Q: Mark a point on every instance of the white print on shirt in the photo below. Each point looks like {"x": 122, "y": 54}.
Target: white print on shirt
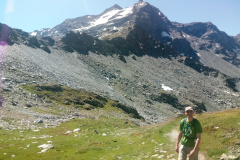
{"x": 188, "y": 131}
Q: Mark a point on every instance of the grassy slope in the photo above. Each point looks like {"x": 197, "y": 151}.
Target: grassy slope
{"x": 221, "y": 132}
{"x": 111, "y": 138}
{"x": 121, "y": 140}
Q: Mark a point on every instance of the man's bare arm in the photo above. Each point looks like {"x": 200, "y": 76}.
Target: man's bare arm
{"x": 178, "y": 140}
{"x": 196, "y": 144}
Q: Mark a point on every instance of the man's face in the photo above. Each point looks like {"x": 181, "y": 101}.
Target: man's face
{"x": 189, "y": 113}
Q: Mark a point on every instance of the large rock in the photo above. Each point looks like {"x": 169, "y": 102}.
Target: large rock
{"x": 45, "y": 147}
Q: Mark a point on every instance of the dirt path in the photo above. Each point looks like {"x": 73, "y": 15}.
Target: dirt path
{"x": 173, "y": 136}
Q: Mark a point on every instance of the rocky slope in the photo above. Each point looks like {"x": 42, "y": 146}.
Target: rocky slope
{"x": 156, "y": 69}
{"x": 140, "y": 82}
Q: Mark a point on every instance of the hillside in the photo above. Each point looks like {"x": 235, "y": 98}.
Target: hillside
{"x": 137, "y": 83}
{"x": 115, "y": 85}
{"x": 107, "y": 132}
{"x": 133, "y": 80}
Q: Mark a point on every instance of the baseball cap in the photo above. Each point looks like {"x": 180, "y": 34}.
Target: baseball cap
{"x": 188, "y": 108}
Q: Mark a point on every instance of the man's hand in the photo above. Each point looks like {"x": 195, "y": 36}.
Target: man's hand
{"x": 192, "y": 153}
{"x": 178, "y": 140}
{"x": 177, "y": 149}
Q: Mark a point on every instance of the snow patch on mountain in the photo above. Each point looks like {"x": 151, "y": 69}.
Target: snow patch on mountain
{"x": 235, "y": 51}
{"x": 166, "y": 88}
{"x": 199, "y": 55}
{"x": 33, "y": 34}
{"x": 104, "y": 18}
{"x": 124, "y": 13}
{"x": 165, "y": 34}
{"x": 108, "y": 17}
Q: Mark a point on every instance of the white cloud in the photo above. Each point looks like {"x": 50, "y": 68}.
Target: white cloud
{"x": 9, "y": 7}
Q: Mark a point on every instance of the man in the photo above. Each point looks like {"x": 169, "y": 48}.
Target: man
{"x": 190, "y": 135}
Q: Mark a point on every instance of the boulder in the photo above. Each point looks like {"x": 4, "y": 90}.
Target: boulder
{"x": 45, "y": 147}
{"x": 229, "y": 157}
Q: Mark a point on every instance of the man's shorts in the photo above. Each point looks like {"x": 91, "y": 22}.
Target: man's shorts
{"x": 184, "y": 151}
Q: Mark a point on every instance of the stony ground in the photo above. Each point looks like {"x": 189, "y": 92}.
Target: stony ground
{"x": 132, "y": 83}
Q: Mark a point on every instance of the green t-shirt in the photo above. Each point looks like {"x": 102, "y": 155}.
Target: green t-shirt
{"x": 190, "y": 130}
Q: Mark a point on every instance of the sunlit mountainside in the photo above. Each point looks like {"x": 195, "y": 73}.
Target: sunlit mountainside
{"x": 132, "y": 55}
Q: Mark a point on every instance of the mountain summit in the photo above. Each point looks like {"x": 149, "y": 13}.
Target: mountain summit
{"x": 192, "y": 40}
{"x": 111, "y": 20}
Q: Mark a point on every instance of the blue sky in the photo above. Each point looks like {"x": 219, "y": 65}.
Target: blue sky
{"x": 30, "y": 15}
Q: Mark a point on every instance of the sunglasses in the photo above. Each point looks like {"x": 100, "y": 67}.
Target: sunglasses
{"x": 189, "y": 111}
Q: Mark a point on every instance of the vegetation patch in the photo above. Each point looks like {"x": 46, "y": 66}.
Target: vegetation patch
{"x": 231, "y": 83}
{"x": 165, "y": 97}
{"x": 80, "y": 99}
{"x": 127, "y": 109}
{"x": 68, "y": 96}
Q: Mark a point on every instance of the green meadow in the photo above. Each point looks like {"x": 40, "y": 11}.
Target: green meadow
{"x": 107, "y": 137}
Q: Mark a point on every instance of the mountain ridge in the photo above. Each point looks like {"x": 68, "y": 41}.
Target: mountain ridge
{"x": 115, "y": 22}
{"x": 127, "y": 55}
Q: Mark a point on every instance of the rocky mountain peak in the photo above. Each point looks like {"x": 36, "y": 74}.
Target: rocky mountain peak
{"x": 151, "y": 19}
{"x": 197, "y": 29}
{"x": 111, "y": 20}
{"x": 142, "y": 6}
{"x": 141, "y": 3}
{"x": 116, "y": 23}
{"x": 238, "y": 37}
{"x": 114, "y": 7}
